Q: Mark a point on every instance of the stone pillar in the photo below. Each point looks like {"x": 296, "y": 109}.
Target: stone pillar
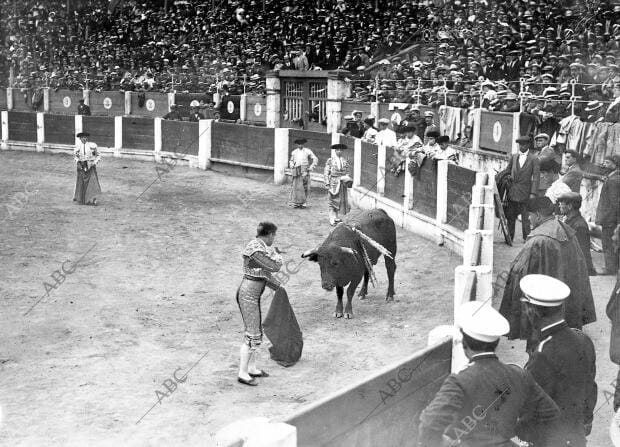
{"x": 40, "y": 131}
{"x": 204, "y": 143}
{"x": 280, "y": 156}
{"x": 273, "y": 99}
{"x": 337, "y": 90}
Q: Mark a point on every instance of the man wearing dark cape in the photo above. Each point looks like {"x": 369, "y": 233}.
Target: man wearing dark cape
{"x": 550, "y": 249}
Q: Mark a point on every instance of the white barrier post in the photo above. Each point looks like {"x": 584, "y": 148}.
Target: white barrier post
{"x": 257, "y": 432}
{"x": 86, "y": 96}
{"x": 171, "y": 100}
{"x": 5, "y": 130}
{"x": 475, "y": 142}
{"x": 127, "y": 103}
{"x": 40, "y": 131}
{"x": 9, "y": 98}
{"x": 280, "y": 156}
{"x": 374, "y": 111}
{"x": 381, "y": 170}
{"x": 46, "y": 99}
{"x": 204, "y": 143}
{"x": 442, "y": 191}
{"x": 243, "y": 104}
{"x": 157, "y": 140}
{"x": 357, "y": 162}
{"x": 118, "y": 135}
{"x": 79, "y": 126}
{"x": 272, "y": 114}
{"x": 516, "y": 130}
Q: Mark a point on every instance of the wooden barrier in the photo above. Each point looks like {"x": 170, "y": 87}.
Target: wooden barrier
{"x": 59, "y": 129}
{"x": 256, "y": 109}
{"x": 368, "y": 177}
{"x": 101, "y": 129}
{"x": 64, "y": 102}
{"x": 382, "y": 411}
{"x": 496, "y": 131}
{"x": 319, "y": 142}
{"x": 23, "y": 126}
{"x": 394, "y": 186}
{"x": 108, "y": 103}
{"x": 243, "y": 145}
{"x": 22, "y": 100}
{"x": 425, "y": 189}
{"x": 180, "y": 137}
{"x": 460, "y": 182}
{"x": 155, "y": 104}
{"x": 138, "y": 133}
{"x": 3, "y": 99}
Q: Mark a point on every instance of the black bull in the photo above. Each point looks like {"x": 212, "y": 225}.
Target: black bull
{"x": 341, "y": 256}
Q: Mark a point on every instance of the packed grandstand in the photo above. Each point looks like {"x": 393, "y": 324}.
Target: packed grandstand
{"x": 554, "y": 56}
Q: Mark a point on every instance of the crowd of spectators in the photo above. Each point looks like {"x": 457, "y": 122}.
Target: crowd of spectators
{"x": 466, "y": 54}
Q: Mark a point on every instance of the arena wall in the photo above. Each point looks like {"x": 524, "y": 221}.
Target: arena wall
{"x": 382, "y": 410}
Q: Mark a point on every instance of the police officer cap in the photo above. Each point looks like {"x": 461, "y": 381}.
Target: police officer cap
{"x": 570, "y": 197}
{"x": 339, "y": 146}
{"x": 543, "y": 290}
{"x": 480, "y": 321}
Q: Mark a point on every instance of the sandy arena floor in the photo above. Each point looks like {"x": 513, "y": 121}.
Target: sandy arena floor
{"x": 154, "y": 294}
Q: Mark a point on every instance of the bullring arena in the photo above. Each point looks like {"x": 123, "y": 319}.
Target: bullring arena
{"x": 119, "y": 322}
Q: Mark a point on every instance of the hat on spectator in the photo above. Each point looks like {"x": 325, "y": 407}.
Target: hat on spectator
{"x": 538, "y": 204}
{"x": 194, "y": 103}
{"x": 523, "y": 139}
{"x": 543, "y": 290}
{"x": 339, "y": 146}
{"x": 357, "y": 112}
{"x": 572, "y": 198}
{"x": 615, "y": 159}
{"x": 542, "y": 136}
{"x": 443, "y": 139}
{"x": 429, "y": 113}
{"x": 83, "y": 134}
{"x": 384, "y": 121}
{"x": 370, "y": 121}
{"x": 433, "y": 134}
{"x": 488, "y": 83}
{"x": 302, "y": 140}
{"x": 481, "y": 322}
{"x": 593, "y": 105}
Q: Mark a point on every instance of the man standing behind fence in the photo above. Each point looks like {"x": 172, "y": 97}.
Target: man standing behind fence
{"x": 524, "y": 172}
{"x": 302, "y": 162}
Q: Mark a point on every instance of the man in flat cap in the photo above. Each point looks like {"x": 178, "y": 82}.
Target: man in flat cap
{"x": 551, "y": 249}
{"x": 86, "y": 157}
{"x": 337, "y": 176}
{"x": 302, "y": 162}
{"x": 608, "y": 212}
{"x": 524, "y": 171}
{"x": 570, "y": 203}
{"x": 489, "y": 402}
{"x": 563, "y": 363}
{"x": 549, "y": 163}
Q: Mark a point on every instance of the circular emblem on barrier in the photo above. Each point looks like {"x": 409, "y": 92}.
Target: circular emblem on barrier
{"x": 497, "y": 131}
{"x": 258, "y": 108}
{"x": 107, "y": 103}
{"x": 66, "y": 101}
{"x": 230, "y": 107}
{"x": 150, "y": 105}
{"x": 396, "y": 118}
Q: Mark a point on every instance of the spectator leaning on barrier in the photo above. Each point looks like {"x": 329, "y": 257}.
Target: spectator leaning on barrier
{"x": 194, "y": 113}
{"x": 173, "y": 114}
{"x": 445, "y": 152}
{"x": 83, "y": 109}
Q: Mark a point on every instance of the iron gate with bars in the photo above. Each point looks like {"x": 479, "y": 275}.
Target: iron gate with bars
{"x": 304, "y": 103}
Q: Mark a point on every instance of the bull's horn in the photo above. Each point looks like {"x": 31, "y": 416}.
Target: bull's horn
{"x": 308, "y": 253}
{"x": 348, "y": 250}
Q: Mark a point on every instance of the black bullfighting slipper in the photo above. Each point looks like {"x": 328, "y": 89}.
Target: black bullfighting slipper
{"x": 250, "y": 382}
{"x": 260, "y": 374}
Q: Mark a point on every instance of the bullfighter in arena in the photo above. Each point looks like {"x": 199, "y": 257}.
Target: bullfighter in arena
{"x": 302, "y": 162}
{"x": 260, "y": 260}
{"x": 86, "y": 157}
{"x": 337, "y": 182}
